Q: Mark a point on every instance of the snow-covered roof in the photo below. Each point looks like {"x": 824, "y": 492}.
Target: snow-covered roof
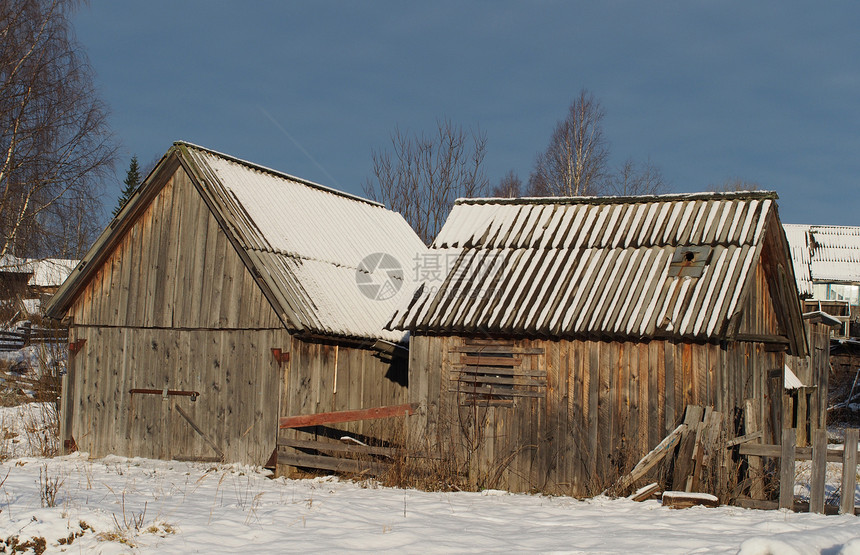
{"x": 314, "y": 250}
{"x": 824, "y": 254}
{"x": 45, "y": 272}
{"x": 670, "y": 265}
{"x": 310, "y": 241}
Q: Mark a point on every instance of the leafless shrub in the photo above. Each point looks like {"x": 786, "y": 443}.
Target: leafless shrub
{"x": 49, "y": 487}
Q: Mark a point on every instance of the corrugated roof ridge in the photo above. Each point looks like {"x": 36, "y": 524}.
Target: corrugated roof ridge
{"x": 278, "y": 173}
{"x": 298, "y": 256}
{"x": 672, "y": 197}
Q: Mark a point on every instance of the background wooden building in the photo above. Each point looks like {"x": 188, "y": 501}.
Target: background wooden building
{"x": 569, "y": 335}
{"x": 223, "y": 296}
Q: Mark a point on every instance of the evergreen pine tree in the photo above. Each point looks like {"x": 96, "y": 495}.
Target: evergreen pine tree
{"x": 132, "y": 180}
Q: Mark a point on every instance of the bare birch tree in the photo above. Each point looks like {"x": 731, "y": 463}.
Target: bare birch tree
{"x": 54, "y": 140}
{"x": 421, "y": 175}
{"x": 575, "y": 162}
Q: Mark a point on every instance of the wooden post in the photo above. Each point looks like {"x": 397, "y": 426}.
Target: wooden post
{"x": 849, "y": 471}
{"x": 786, "y": 469}
{"x": 819, "y": 465}
{"x": 751, "y": 426}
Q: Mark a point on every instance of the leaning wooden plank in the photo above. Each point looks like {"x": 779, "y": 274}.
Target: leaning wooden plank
{"x": 330, "y": 463}
{"x": 786, "y": 469}
{"x": 650, "y": 460}
{"x": 819, "y": 465}
{"x": 849, "y": 471}
{"x": 337, "y": 447}
{"x": 685, "y": 499}
{"x": 346, "y": 416}
{"x": 745, "y": 438}
{"x": 644, "y": 492}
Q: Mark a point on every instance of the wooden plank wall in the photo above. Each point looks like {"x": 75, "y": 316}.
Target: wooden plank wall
{"x": 607, "y": 404}
{"x": 814, "y": 370}
{"x": 174, "y": 306}
{"x": 175, "y": 268}
{"x": 233, "y": 370}
{"x": 327, "y": 377}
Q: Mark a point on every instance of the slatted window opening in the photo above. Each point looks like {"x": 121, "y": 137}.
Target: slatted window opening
{"x": 492, "y": 373}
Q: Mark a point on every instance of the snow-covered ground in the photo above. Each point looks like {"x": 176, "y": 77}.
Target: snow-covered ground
{"x": 118, "y": 505}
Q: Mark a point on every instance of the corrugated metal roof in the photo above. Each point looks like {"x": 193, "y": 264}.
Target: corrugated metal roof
{"x": 593, "y": 266}
{"x": 308, "y": 242}
{"x": 824, "y": 254}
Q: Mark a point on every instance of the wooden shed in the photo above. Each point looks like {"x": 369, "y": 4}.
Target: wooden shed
{"x": 226, "y": 295}
{"x": 568, "y": 336}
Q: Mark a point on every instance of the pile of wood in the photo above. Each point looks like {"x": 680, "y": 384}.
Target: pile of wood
{"x": 692, "y": 449}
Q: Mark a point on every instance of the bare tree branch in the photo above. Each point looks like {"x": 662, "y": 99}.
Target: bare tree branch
{"x": 636, "y": 179}
{"x": 422, "y": 175}
{"x": 54, "y": 137}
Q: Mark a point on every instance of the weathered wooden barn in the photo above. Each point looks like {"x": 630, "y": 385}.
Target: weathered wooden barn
{"x": 568, "y": 336}
{"x": 226, "y": 295}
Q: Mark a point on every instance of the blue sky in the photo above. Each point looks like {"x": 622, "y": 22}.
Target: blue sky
{"x": 768, "y": 92}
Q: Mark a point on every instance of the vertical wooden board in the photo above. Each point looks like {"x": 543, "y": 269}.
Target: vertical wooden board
{"x": 618, "y": 380}
{"x": 151, "y": 232}
{"x": 819, "y": 467}
{"x": 787, "y": 469}
{"x": 593, "y": 374}
{"x": 141, "y": 270}
{"x": 113, "y": 389}
{"x": 326, "y": 379}
{"x": 668, "y": 349}
{"x": 643, "y": 400}
{"x": 161, "y": 208}
{"x": 633, "y": 402}
{"x": 849, "y": 471}
{"x": 577, "y": 405}
{"x": 231, "y": 361}
{"x": 125, "y": 258}
{"x": 211, "y": 258}
{"x": 170, "y": 242}
{"x": 604, "y": 412}
{"x": 559, "y": 411}
{"x": 656, "y": 397}
{"x": 200, "y": 230}
{"x": 534, "y": 430}
{"x": 447, "y": 434}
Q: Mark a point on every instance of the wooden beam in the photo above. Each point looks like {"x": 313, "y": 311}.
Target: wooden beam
{"x": 761, "y": 338}
{"x": 775, "y": 452}
{"x": 354, "y": 466}
{"x": 336, "y": 447}
{"x": 346, "y": 416}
